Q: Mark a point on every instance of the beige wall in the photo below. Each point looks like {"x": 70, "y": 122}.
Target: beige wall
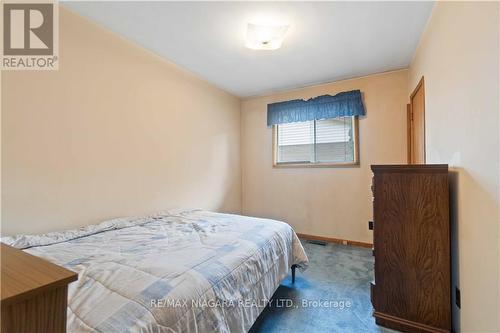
{"x": 116, "y": 131}
{"x": 459, "y": 57}
{"x": 330, "y": 202}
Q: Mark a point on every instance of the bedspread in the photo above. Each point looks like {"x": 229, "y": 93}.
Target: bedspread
{"x": 179, "y": 271}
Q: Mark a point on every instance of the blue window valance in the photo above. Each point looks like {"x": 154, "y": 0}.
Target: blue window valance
{"x": 344, "y": 104}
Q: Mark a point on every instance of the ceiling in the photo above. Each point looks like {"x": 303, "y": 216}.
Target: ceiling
{"x": 326, "y": 41}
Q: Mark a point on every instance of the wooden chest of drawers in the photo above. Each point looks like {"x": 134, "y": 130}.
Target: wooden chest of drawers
{"x": 411, "y": 230}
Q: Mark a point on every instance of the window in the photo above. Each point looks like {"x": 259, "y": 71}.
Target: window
{"x": 326, "y": 142}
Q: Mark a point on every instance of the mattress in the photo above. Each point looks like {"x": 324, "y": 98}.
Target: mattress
{"x": 179, "y": 271}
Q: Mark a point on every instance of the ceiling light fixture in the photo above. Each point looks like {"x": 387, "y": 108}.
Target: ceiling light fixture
{"x": 265, "y": 37}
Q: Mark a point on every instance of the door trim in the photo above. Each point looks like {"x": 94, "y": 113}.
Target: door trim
{"x": 408, "y": 133}
{"x": 420, "y": 84}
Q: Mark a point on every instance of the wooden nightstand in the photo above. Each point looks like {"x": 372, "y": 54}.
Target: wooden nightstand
{"x": 34, "y": 293}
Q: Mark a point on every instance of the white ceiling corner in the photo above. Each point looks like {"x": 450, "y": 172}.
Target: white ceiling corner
{"x": 326, "y": 41}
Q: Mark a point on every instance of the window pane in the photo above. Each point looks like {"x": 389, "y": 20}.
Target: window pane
{"x": 296, "y": 142}
{"x": 334, "y": 140}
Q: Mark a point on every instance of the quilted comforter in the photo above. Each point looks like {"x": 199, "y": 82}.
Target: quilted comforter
{"x": 182, "y": 271}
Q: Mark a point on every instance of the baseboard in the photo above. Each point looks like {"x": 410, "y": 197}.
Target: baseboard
{"x": 334, "y": 240}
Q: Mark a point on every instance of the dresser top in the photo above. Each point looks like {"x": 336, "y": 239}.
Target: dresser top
{"x": 23, "y": 275}
{"x": 415, "y": 168}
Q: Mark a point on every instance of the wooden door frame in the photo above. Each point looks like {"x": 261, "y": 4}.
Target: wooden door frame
{"x": 408, "y": 133}
{"x": 409, "y": 118}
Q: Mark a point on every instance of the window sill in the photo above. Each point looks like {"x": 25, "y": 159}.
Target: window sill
{"x": 317, "y": 165}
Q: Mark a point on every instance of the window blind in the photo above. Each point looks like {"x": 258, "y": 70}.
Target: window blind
{"x": 334, "y": 142}
{"x": 296, "y": 142}
{"x": 320, "y": 141}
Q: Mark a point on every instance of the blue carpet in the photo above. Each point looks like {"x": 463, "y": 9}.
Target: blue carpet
{"x": 339, "y": 277}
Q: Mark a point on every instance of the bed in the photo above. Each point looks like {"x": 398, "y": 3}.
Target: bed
{"x": 179, "y": 271}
